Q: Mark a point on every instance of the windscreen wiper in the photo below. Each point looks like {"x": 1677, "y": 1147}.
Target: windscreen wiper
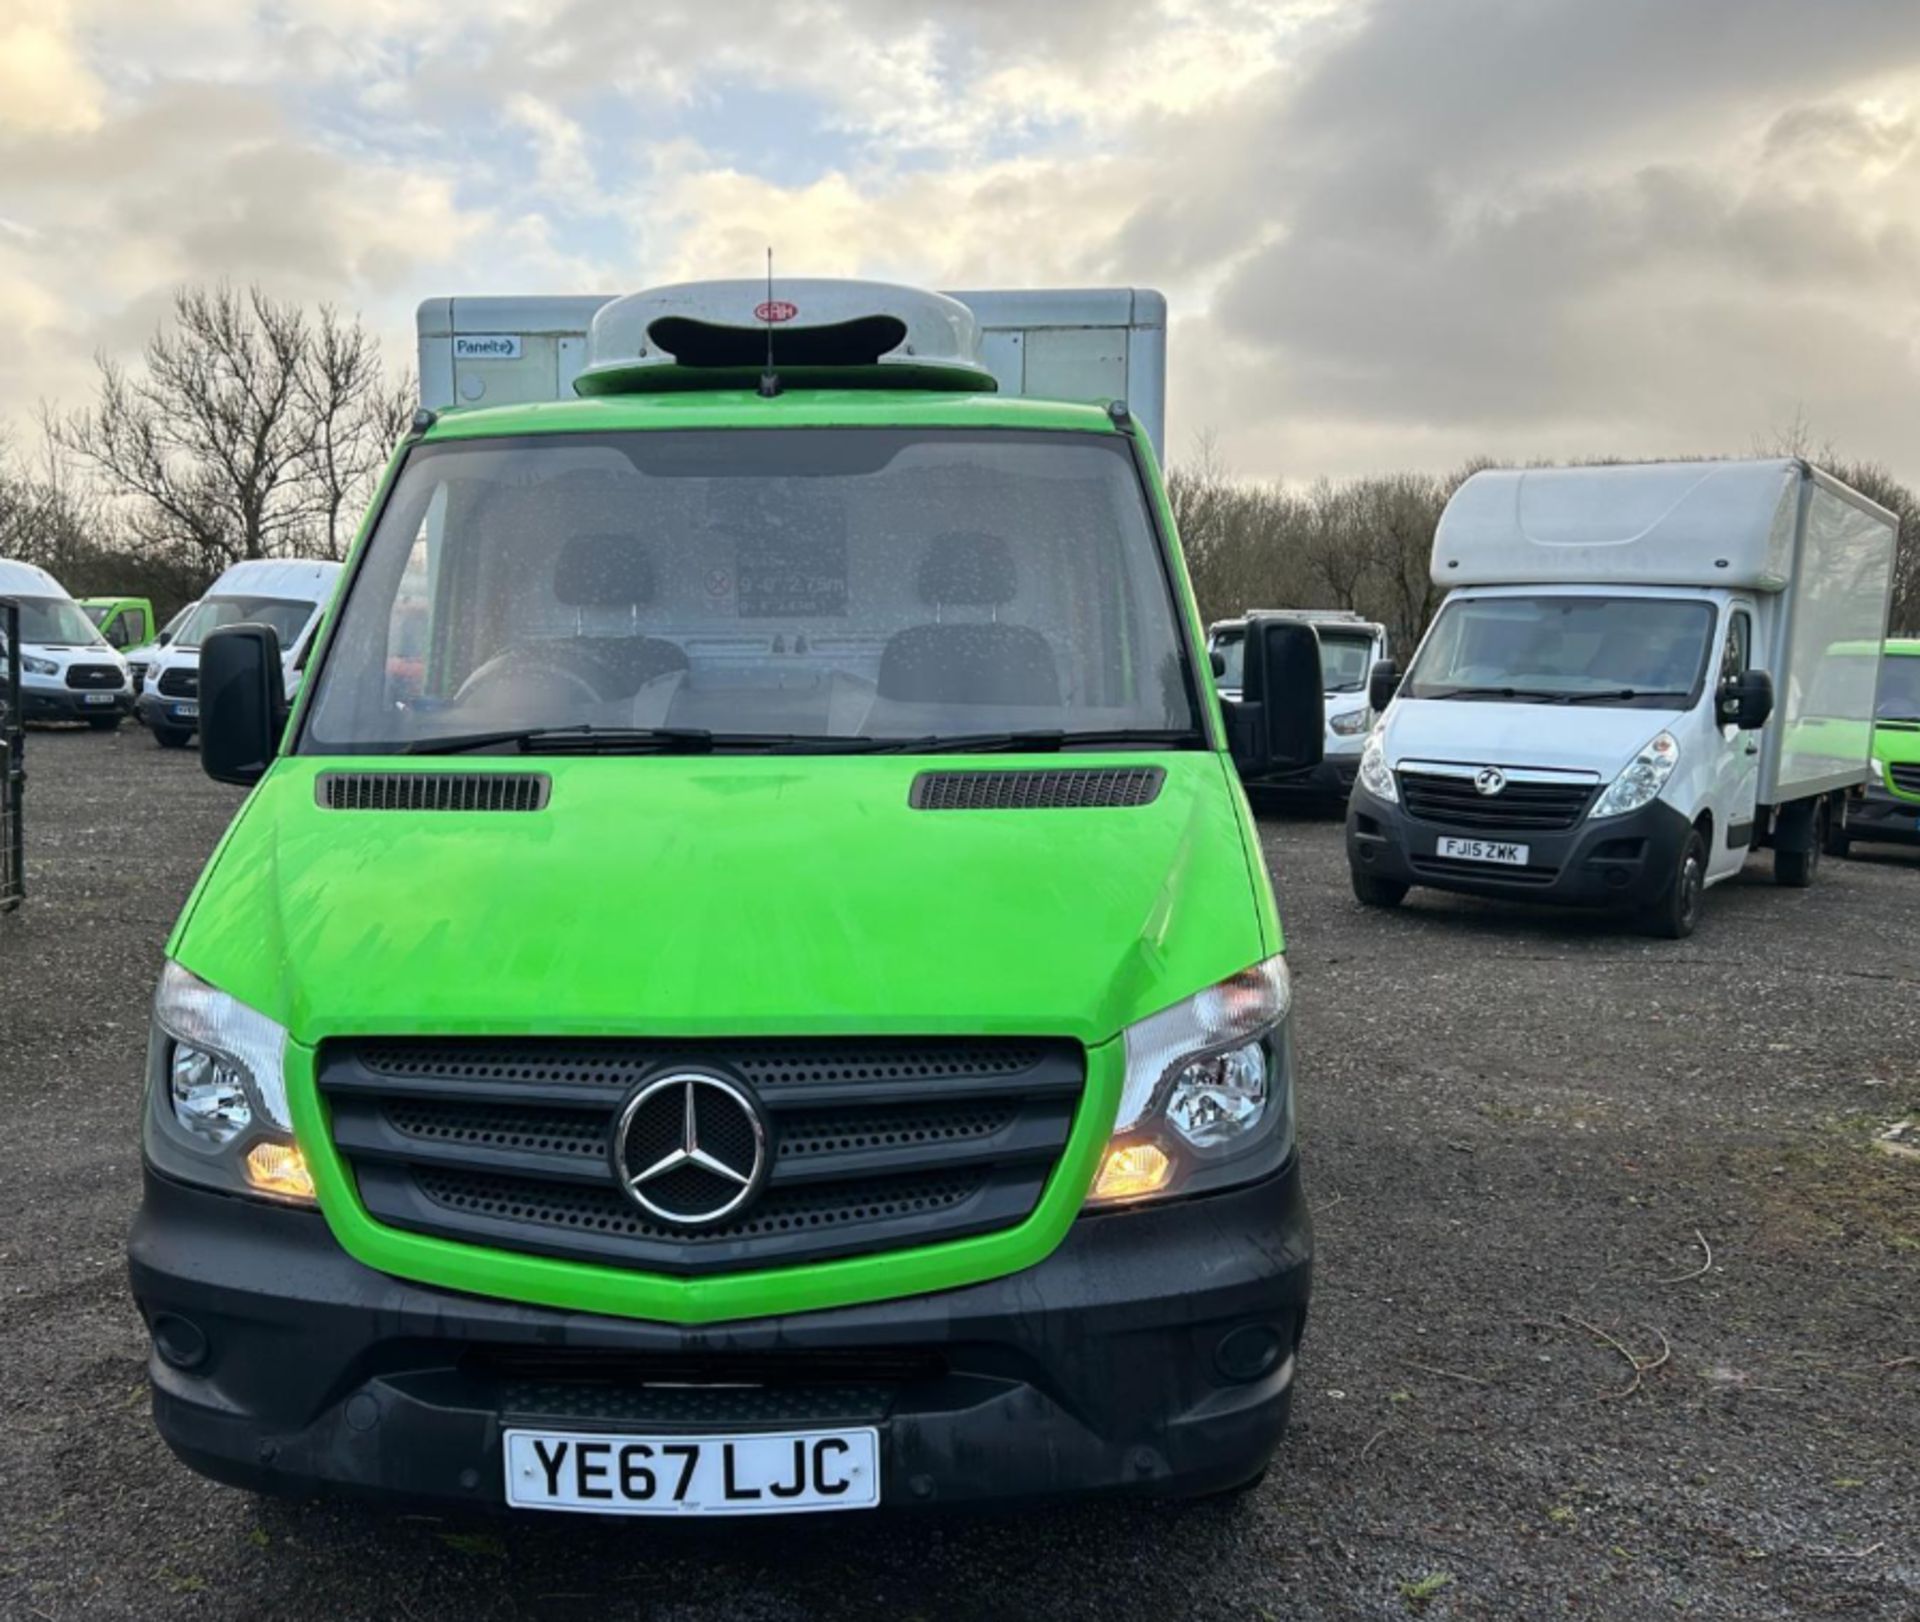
{"x": 1533, "y": 695}
{"x": 572, "y": 740}
{"x": 1619, "y": 694}
{"x": 1040, "y": 741}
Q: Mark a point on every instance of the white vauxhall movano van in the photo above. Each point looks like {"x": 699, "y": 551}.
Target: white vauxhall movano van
{"x": 1617, "y": 701}
{"x": 68, "y": 672}
{"x": 288, "y": 594}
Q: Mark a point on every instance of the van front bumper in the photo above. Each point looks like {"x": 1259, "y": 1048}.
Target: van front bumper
{"x": 71, "y": 704}
{"x": 156, "y": 711}
{"x": 1878, "y": 815}
{"x": 1152, "y": 1352}
{"x": 1625, "y": 861}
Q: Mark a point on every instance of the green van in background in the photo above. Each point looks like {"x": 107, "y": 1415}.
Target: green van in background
{"x": 1888, "y": 807}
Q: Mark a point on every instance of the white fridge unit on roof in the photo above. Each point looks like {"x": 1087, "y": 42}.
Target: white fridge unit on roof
{"x": 1096, "y": 344}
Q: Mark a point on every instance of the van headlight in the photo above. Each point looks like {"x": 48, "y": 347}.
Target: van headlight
{"x": 216, "y": 1110}
{"x": 1644, "y": 777}
{"x": 1376, "y": 777}
{"x": 38, "y": 667}
{"x": 1208, "y": 1099}
{"x": 1349, "y": 725}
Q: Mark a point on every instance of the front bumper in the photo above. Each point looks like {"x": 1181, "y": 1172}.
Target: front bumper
{"x": 154, "y": 710}
{"x": 1878, "y": 814}
{"x": 1153, "y": 1352}
{"x": 1626, "y": 861}
{"x": 71, "y": 703}
{"x": 1332, "y": 779}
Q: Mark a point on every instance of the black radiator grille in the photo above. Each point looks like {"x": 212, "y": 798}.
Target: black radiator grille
{"x": 179, "y": 683}
{"x": 873, "y": 1145}
{"x": 95, "y": 678}
{"x": 1905, "y": 778}
{"x": 1520, "y": 807}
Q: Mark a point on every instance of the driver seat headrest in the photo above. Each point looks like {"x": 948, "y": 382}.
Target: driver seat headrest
{"x": 605, "y": 569}
{"x": 968, "y": 568}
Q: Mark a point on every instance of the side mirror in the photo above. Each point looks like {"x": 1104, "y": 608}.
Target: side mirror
{"x": 1218, "y": 662}
{"x": 243, "y": 703}
{"x": 1746, "y": 700}
{"x": 1279, "y": 723}
{"x": 1383, "y": 681}
{"x": 163, "y": 639}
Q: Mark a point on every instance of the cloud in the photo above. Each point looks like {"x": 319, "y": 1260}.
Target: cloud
{"x": 1393, "y": 233}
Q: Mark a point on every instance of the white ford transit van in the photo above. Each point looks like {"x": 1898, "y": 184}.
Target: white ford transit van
{"x": 68, "y": 672}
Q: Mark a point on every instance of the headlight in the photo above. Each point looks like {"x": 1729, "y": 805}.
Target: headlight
{"x": 217, "y": 1094}
{"x": 1349, "y": 725}
{"x": 1375, "y": 777}
{"x": 1878, "y": 768}
{"x": 38, "y": 667}
{"x": 1642, "y": 780}
{"x": 1208, "y": 1099}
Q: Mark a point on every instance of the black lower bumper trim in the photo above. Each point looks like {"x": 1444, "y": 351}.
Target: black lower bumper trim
{"x": 1880, "y": 816}
{"x": 1626, "y": 862}
{"x": 65, "y": 704}
{"x": 1153, "y": 1351}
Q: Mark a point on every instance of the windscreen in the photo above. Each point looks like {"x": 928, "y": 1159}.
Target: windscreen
{"x": 97, "y": 612}
{"x": 287, "y": 615}
{"x": 759, "y": 586}
{"x": 56, "y": 622}
{"x": 1899, "y": 697}
{"x": 1635, "y": 652}
{"x": 1344, "y": 661}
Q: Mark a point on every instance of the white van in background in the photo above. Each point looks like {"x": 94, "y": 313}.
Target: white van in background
{"x": 288, "y": 594}
{"x": 1350, "y": 646}
{"x": 68, "y": 671}
{"x": 1618, "y": 699}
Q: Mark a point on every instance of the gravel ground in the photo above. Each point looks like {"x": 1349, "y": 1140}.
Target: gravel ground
{"x": 1522, "y": 1132}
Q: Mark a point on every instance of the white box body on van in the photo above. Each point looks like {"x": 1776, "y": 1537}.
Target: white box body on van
{"x": 1101, "y": 344}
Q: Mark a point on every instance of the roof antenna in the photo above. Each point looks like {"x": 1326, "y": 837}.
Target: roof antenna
{"x": 769, "y": 379}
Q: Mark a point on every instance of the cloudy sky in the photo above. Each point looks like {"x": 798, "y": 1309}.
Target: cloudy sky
{"x": 1393, "y": 232}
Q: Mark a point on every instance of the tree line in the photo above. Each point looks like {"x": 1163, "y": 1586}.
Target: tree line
{"x": 253, "y": 427}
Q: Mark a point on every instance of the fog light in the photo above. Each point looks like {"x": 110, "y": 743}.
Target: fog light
{"x": 279, "y": 1168}
{"x": 1249, "y": 1352}
{"x": 1132, "y": 1170}
{"x": 179, "y": 1341}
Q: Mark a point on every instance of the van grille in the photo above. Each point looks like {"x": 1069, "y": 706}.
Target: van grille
{"x": 874, "y": 1145}
{"x": 180, "y": 682}
{"x": 433, "y": 791}
{"x": 95, "y": 677}
{"x": 1905, "y": 778}
{"x": 1519, "y": 807}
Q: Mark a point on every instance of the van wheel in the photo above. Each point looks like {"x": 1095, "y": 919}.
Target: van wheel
{"x": 104, "y": 723}
{"x": 171, "y": 737}
{"x": 1675, "y": 914}
{"x": 1372, "y": 891}
{"x": 1795, "y": 868}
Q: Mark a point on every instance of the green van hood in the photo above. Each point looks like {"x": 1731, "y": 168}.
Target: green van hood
{"x": 690, "y": 896}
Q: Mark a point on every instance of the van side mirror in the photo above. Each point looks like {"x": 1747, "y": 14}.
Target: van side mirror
{"x": 1383, "y": 681}
{"x": 1746, "y": 700}
{"x": 1279, "y": 723}
{"x": 243, "y": 703}
{"x": 163, "y": 639}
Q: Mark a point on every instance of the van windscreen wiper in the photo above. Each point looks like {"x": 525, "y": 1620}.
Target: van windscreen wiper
{"x": 1618, "y": 695}
{"x": 1039, "y": 741}
{"x": 572, "y": 740}
{"x": 1531, "y": 695}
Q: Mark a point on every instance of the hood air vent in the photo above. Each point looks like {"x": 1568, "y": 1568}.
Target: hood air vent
{"x": 433, "y": 791}
{"x": 1096, "y": 787}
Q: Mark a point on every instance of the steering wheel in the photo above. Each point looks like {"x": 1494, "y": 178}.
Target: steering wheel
{"x": 520, "y": 663}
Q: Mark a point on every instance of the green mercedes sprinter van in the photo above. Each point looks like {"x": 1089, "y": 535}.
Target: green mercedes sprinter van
{"x": 746, "y": 983}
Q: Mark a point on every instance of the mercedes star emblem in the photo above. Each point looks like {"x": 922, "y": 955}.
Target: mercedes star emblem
{"x": 690, "y": 1148}
{"x": 1489, "y": 780}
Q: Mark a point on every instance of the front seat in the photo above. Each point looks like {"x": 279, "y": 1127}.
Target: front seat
{"x": 970, "y": 663}
{"x": 611, "y": 570}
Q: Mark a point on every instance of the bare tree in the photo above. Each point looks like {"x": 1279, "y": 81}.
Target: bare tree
{"x": 249, "y": 430}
